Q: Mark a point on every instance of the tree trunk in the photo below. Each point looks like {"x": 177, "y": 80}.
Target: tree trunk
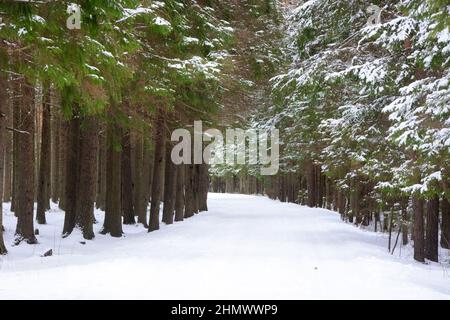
{"x": 170, "y": 185}
{"x": 127, "y": 183}
{"x": 179, "y": 202}
{"x": 87, "y": 177}
{"x": 311, "y": 184}
{"x": 404, "y": 221}
{"x": 17, "y": 101}
{"x": 419, "y": 250}
{"x": 3, "y": 107}
{"x": 189, "y": 190}
{"x": 25, "y": 167}
{"x": 320, "y": 187}
{"x": 140, "y": 181}
{"x": 158, "y": 167}
{"x": 113, "y": 212}
{"x": 64, "y": 130}
{"x": 71, "y": 181}
{"x": 101, "y": 182}
{"x": 8, "y": 147}
{"x": 432, "y": 234}
{"x": 45, "y": 161}
{"x": 55, "y": 164}
{"x": 445, "y": 228}
{"x": 196, "y": 187}
{"x": 203, "y": 187}
{"x": 355, "y": 202}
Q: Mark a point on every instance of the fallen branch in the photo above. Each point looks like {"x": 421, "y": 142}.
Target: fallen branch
{"x": 17, "y": 130}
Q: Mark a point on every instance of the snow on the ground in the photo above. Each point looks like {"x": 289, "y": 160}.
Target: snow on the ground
{"x": 245, "y": 247}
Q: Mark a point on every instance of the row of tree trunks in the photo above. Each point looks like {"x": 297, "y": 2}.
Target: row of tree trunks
{"x": 356, "y": 205}
{"x": 78, "y": 163}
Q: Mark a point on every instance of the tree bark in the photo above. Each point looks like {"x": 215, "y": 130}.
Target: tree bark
{"x": 320, "y": 187}
{"x": 445, "y": 228}
{"x": 16, "y": 122}
{"x": 188, "y": 191}
{"x": 196, "y": 187}
{"x": 101, "y": 182}
{"x": 203, "y": 187}
{"x": 87, "y": 177}
{"x": 170, "y": 185}
{"x": 158, "y": 166}
{"x": 432, "y": 230}
{"x": 404, "y": 221}
{"x": 55, "y": 164}
{"x": 71, "y": 181}
{"x": 64, "y": 131}
{"x": 113, "y": 212}
{"x": 140, "y": 181}
{"x": 127, "y": 183}
{"x": 25, "y": 167}
{"x": 8, "y": 147}
{"x": 419, "y": 249}
{"x": 179, "y": 203}
{"x": 3, "y": 106}
{"x": 45, "y": 160}
{"x": 311, "y": 184}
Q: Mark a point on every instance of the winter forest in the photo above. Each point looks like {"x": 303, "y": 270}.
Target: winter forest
{"x": 92, "y": 90}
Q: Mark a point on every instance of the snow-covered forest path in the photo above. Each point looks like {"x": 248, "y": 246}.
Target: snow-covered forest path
{"x": 245, "y": 247}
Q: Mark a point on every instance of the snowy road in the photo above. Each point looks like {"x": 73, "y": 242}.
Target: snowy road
{"x": 245, "y": 247}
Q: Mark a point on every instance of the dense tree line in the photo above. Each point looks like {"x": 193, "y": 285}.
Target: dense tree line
{"x": 86, "y": 113}
{"x": 363, "y": 109}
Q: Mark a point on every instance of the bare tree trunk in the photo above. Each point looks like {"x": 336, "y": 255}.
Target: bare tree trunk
{"x": 432, "y": 237}
{"x": 45, "y": 161}
{"x": 3, "y": 114}
{"x": 26, "y": 165}
{"x": 101, "y": 183}
{"x": 189, "y": 190}
{"x": 127, "y": 183}
{"x": 203, "y": 187}
{"x": 71, "y": 180}
{"x": 179, "y": 203}
{"x": 158, "y": 166}
{"x": 311, "y": 184}
{"x": 140, "y": 198}
{"x": 445, "y": 228}
{"x": 55, "y": 141}
{"x": 419, "y": 246}
{"x": 64, "y": 131}
{"x": 320, "y": 187}
{"x": 87, "y": 177}
{"x": 404, "y": 221}
{"x": 170, "y": 184}
{"x": 113, "y": 212}
{"x": 196, "y": 188}
{"x": 17, "y": 87}
{"x": 8, "y": 169}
